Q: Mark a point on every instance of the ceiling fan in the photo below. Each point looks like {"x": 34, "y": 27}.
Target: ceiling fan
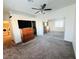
{"x": 42, "y": 9}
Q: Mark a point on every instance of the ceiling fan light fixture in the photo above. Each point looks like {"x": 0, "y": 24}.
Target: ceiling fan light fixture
{"x": 42, "y": 9}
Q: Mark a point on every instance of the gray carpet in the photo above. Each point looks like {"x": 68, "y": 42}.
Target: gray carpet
{"x": 49, "y": 46}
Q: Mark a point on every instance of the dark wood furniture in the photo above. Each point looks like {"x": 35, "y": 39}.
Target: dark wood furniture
{"x": 27, "y": 34}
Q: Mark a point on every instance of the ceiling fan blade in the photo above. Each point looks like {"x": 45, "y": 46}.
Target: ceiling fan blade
{"x": 35, "y": 9}
{"x": 47, "y": 9}
{"x": 44, "y": 5}
{"x": 37, "y": 12}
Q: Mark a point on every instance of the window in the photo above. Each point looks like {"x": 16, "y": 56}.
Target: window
{"x": 59, "y": 23}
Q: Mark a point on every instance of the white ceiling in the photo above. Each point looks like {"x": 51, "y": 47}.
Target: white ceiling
{"x": 26, "y": 6}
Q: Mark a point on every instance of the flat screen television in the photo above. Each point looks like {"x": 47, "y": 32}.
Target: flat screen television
{"x": 24, "y": 24}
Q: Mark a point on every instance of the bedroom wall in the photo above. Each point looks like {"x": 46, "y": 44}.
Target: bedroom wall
{"x": 6, "y": 16}
{"x": 16, "y": 30}
{"x": 39, "y": 25}
{"x": 67, "y": 14}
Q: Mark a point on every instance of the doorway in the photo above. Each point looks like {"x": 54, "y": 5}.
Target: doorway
{"x": 7, "y": 34}
{"x": 46, "y": 27}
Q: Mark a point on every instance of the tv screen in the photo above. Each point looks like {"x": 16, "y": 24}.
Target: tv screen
{"x": 24, "y": 24}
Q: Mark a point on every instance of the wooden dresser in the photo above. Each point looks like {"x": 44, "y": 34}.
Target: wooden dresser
{"x": 27, "y": 34}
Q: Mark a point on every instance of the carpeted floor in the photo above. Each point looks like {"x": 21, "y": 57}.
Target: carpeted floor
{"x": 49, "y": 46}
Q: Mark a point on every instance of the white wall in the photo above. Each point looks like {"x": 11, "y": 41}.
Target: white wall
{"x": 16, "y": 30}
{"x": 68, "y": 14}
{"x": 6, "y": 15}
{"x": 39, "y": 26}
